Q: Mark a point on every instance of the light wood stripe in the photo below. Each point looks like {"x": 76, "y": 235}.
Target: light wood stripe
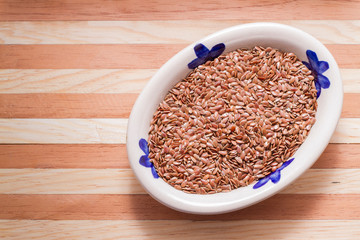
{"x": 69, "y": 181}
{"x": 103, "y": 80}
{"x": 115, "y": 56}
{"x": 77, "y": 80}
{"x": 180, "y": 229}
{"x": 50, "y": 105}
{"x": 94, "y": 156}
{"x": 347, "y": 131}
{"x": 351, "y": 80}
{"x": 122, "y": 181}
{"x": 157, "y": 32}
{"x": 63, "y": 130}
{"x": 110, "y": 130}
{"x": 143, "y": 207}
{"x": 335, "y": 181}
{"x": 163, "y": 10}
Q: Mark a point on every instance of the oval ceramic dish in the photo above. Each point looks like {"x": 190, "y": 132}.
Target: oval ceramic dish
{"x": 315, "y": 55}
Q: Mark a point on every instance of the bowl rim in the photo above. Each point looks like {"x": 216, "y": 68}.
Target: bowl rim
{"x": 188, "y": 204}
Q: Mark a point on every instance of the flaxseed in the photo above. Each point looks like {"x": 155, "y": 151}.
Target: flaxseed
{"x": 232, "y": 120}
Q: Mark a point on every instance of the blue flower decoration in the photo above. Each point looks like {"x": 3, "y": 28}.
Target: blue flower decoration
{"x": 274, "y": 176}
{"x": 204, "y": 54}
{"x": 318, "y": 68}
{"x": 144, "y": 159}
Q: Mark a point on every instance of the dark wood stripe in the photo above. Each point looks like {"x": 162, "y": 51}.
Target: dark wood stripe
{"x": 62, "y": 105}
{"x": 143, "y": 207}
{"x": 163, "y": 10}
{"x": 115, "y": 56}
{"x": 341, "y": 156}
{"x": 351, "y": 105}
{"x": 64, "y": 156}
{"x": 86, "y": 56}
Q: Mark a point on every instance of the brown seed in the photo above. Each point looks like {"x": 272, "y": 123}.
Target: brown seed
{"x": 232, "y": 121}
{"x": 224, "y": 153}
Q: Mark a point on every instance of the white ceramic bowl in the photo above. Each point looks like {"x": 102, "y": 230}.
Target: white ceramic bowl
{"x": 273, "y": 35}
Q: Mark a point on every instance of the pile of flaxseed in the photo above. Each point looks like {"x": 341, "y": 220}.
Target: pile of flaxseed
{"x": 232, "y": 120}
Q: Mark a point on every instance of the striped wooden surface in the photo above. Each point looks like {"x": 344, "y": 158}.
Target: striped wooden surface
{"x": 69, "y": 75}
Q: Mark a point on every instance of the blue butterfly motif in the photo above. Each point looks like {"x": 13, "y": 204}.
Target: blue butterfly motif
{"x": 318, "y": 68}
{"x": 204, "y": 54}
{"x": 274, "y": 176}
{"x": 144, "y": 159}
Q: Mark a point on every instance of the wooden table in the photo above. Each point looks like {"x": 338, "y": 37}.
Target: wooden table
{"x": 70, "y": 73}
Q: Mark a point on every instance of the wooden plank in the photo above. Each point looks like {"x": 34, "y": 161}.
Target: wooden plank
{"x": 89, "y": 156}
{"x": 122, "y": 181}
{"x": 351, "y": 80}
{"x": 114, "y": 56}
{"x": 68, "y": 181}
{"x": 343, "y": 54}
{"x": 180, "y": 229}
{"x": 95, "y": 156}
{"x": 76, "y": 80}
{"x": 347, "y": 131}
{"x": 103, "y": 80}
{"x": 55, "y": 105}
{"x": 157, "y": 32}
{"x": 350, "y": 105}
{"x": 111, "y": 56}
{"x": 47, "y": 105}
{"x": 339, "y": 156}
{"x": 110, "y": 130}
{"x": 22, "y": 10}
{"x": 335, "y": 181}
{"x": 143, "y": 207}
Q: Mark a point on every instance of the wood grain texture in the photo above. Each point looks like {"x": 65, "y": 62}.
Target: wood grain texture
{"x": 75, "y": 80}
{"x": 347, "y": 131}
{"x": 52, "y": 105}
{"x": 91, "y": 156}
{"x": 351, "y": 103}
{"x": 350, "y": 80}
{"x": 109, "y": 56}
{"x": 110, "y": 130}
{"x": 103, "y": 80}
{"x": 114, "y": 56}
{"x": 100, "y": 156}
{"x": 339, "y": 156}
{"x": 63, "y": 130}
{"x": 123, "y": 181}
{"x": 157, "y": 32}
{"x": 69, "y": 181}
{"x": 70, "y": 72}
{"x": 181, "y": 229}
{"x": 326, "y": 182}
{"x": 143, "y": 207}
{"x": 166, "y": 10}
